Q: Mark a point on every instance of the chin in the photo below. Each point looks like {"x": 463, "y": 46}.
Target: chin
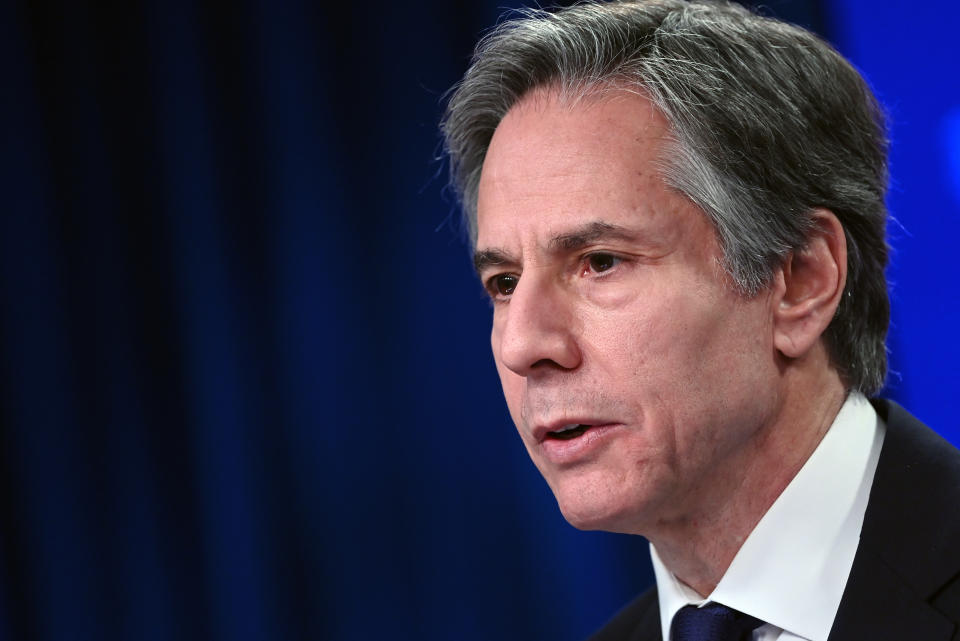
{"x": 592, "y": 519}
{"x": 588, "y": 507}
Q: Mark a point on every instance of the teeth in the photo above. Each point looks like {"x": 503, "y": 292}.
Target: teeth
{"x": 568, "y": 432}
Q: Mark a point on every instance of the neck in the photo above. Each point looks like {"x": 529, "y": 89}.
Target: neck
{"x": 699, "y": 544}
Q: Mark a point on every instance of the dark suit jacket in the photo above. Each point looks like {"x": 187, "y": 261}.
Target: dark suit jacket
{"x": 905, "y": 580}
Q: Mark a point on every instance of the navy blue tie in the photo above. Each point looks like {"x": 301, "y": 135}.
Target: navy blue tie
{"x": 712, "y": 622}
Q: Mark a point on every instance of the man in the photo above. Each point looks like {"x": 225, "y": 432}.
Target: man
{"x": 678, "y": 212}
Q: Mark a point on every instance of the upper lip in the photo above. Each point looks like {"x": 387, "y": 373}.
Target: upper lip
{"x": 540, "y": 430}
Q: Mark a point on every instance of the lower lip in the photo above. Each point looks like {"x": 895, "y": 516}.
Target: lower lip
{"x": 577, "y": 450}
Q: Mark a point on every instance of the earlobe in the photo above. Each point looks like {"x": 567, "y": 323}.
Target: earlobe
{"x": 809, "y": 286}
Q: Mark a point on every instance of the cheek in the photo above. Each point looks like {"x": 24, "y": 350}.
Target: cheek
{"x": 685, "y": 352}
{"x": 653, "y": 337}
{"x": 610, "y": 297}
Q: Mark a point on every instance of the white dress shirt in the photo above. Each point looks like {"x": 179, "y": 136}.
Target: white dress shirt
{"x": 792, "y": 569}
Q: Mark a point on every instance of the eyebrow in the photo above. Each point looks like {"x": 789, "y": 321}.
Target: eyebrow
{"x": 573, "y": 240}
{"x": 490, "y": 258}
{"x": 590, "y": 233}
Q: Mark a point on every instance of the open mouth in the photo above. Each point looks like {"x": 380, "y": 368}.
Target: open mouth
{"x": 568, "y": 432}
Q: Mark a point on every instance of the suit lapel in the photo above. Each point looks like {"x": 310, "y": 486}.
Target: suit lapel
{"x": 648, "y": 627}
{"x": 639, "y": 620}
{"x": 909, "y": 542}
{"x": 877, "y": 605}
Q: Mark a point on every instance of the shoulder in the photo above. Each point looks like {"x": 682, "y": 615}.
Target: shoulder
{"x": 912, "y": 520}
{"x": 911, "y": 441}
{"x": 906, "y": 574}
{"x": 639, "y": 620}
{"x": 919, "y": 474}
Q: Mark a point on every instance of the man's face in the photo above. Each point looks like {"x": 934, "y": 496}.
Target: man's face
{"x": 636, "y": 375}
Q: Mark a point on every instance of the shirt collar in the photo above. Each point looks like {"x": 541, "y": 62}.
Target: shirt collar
{"x": 793, "y": 567}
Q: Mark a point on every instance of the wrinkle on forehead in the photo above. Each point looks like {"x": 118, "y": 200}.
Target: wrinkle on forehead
{"x": 650, "y": 129}
{"x": 555, "y": 166}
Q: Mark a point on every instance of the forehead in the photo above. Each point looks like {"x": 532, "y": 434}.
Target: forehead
{"x": 554, "y": 162}
{"x": 603, "y": 105}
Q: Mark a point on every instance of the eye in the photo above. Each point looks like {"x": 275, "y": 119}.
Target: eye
{"x": 502, "y": 285}
{"x": 601, "y": 262}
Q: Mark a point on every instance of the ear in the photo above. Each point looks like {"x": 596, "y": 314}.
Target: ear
{"x": 809, "y": 286}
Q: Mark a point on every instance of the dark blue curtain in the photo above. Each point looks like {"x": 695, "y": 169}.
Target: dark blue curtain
{"x": 244, "y": 374}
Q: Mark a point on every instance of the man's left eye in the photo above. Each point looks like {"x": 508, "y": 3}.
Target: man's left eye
{"x": 601, "y": 262}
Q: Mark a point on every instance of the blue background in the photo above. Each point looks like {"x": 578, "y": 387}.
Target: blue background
{"x": 245, "y": 382}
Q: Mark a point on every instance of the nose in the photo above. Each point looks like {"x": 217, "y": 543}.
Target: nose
{"x": 535, "y": 330}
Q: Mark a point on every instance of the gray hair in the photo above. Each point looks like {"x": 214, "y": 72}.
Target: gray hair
{"x": 768, "y": 122}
